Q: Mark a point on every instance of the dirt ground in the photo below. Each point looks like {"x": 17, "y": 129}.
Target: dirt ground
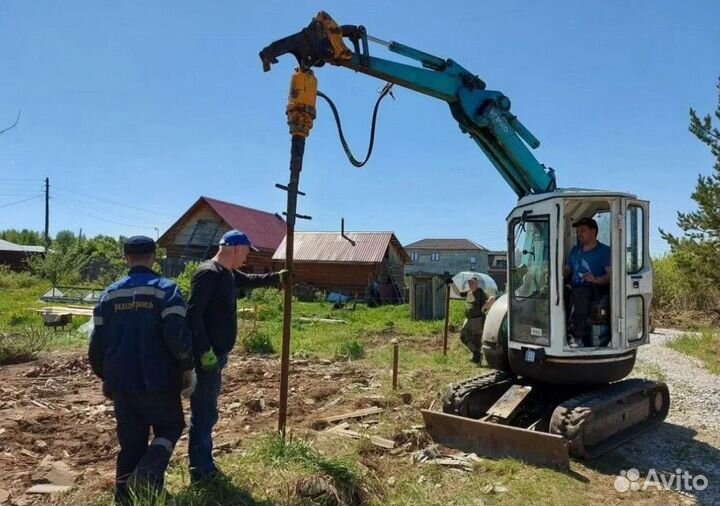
{"x": 53, "y": 410}
{"x": 56, "y": 428}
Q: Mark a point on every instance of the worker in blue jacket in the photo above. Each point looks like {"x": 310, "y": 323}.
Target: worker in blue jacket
{"x": 140, "y": 349}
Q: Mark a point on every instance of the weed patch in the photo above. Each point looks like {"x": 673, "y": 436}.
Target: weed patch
{"x": 705, "y": 346}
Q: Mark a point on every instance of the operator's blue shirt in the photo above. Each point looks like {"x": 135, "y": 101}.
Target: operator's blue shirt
{"x": 593, "y": 261}
{"x": 139, "y": 342}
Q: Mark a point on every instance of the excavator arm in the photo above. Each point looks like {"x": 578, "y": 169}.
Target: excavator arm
{"x": 482, "y": 114}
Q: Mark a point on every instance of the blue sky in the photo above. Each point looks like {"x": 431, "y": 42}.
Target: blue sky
{"x": 152, "y": 104}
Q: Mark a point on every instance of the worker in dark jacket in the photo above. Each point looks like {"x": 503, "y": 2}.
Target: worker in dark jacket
{"x": 141, "y": 350}
{"x": 212, "y": 317}
{"x": 471, "y": 330}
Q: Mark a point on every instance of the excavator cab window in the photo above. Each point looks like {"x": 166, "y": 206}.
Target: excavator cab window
{"x": 530, "y": 280}
{"x": 595, "y": 331}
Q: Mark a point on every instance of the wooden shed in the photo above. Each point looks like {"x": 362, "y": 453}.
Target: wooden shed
{"x": 330, "y": 262}
{"x": 195, "y": 235}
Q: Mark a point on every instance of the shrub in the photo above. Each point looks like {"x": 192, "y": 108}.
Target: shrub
{"x": 22, "y": 345}
{"x": 673, "y": 289}
{"x": 271, "y": 296}
{"x": 185, "y": 278}
{"x": 257, "y": 341}
{"x": 269, "y": 302}
{"x": 351, "y": 350}
{"x": 10, "y": 279}
{"x": 20, "y": 318}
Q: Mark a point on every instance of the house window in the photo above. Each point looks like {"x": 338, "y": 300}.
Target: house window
{"x": 435, "y": 257}
{"x": 473, "y": 260}
{"x": 414, "y": 256}
{"x": 501, "y": 262}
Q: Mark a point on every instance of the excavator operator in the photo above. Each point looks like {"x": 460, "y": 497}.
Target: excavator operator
{"x": 588, "y": 270}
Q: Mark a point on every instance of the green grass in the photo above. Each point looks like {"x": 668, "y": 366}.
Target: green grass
{"x": 705, "y": 346}
{"x": 363, "y": 328}
{"x": 17, "y": 304}
{"x": 19, "y": 297}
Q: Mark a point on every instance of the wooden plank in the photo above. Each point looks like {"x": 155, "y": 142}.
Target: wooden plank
{"x": 340, "y": 426}
{"x": 46, "y": 488}
{"x": 320, "y": 320}
{"x": 354, "y": 414}
{"x": 375, "y": 440}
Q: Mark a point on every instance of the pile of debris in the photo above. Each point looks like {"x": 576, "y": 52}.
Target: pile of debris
{"x": 432, "y": 454}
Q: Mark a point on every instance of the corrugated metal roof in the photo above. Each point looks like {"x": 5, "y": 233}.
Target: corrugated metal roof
{"x": 445, "y": 244}
{"x": 266, "y": 230}
{"x": 11, "y": 246}
{"x": 331, "y": 247}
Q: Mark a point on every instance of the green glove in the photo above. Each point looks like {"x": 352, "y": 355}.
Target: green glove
{"x": 208, "y": 361}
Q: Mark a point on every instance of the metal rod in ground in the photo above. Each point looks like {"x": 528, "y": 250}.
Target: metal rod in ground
{"x": 447, "y": 318}
{"x": 396, "y": 352}
{"x": 296, "y": 158}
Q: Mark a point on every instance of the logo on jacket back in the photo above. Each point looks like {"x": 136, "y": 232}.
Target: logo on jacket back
{"x": 133, "y": 306}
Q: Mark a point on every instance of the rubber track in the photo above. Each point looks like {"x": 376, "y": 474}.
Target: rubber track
{"x": 455, "y": 400}
{"x": 570, "y": 417}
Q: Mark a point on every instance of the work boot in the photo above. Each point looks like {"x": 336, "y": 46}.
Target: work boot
{"x": 477, "y": 357}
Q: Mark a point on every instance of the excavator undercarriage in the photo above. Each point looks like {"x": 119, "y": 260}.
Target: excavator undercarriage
{"x": 501, "y": 415}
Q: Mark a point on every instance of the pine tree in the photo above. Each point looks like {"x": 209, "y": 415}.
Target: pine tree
{"x": 697, "y": 250}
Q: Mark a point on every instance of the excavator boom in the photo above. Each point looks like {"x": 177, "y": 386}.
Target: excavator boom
{"x": 483, "y": 114}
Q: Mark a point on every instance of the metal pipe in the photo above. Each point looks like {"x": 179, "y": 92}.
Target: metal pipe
{"x": 376, "y": 40}
{"x": 297, "y": 150}
{"x": 396, "y": 352}
{"x": 447, "y": 318}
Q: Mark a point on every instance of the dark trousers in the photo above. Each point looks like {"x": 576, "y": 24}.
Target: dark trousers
{"x": 141, "y": 465}
{"x": 581, "y": 325}
{"x": 471, "y": 333}
{"x": 203, "y": 417}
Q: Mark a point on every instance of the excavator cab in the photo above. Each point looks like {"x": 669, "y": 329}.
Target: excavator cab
{"x": 529, "y": 333}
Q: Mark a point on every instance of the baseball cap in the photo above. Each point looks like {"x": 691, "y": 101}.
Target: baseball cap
{"x": 588, "y": 222}
{"x": 139, "y": 245}
{"x": 236, "y": 238}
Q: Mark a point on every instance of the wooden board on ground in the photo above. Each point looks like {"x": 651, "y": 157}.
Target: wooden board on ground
{"x": 65, "y": 310}
{"x": 375, "y": 440}
{"x": 354, "y": 414}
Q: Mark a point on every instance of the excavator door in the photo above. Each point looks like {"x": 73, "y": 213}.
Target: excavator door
{"x": 634, "y": 322}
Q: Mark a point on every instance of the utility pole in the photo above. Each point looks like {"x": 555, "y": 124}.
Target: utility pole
{"x": 47, "y": 213}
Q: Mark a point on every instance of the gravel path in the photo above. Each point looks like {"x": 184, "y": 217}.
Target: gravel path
{"x": 694, "y": 392}
{"x": 690, "y": 437}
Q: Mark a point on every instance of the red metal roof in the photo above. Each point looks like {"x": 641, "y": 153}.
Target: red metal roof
{"x": 331, "y": 247}
{"x": 445, "y": 244}
{"x": 265, "y": 230}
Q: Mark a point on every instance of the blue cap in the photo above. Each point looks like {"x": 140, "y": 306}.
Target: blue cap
{"x": 236, "y": 238}
{"x": 139, "y": 245}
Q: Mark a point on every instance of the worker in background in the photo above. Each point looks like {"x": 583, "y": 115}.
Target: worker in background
{"x": 588, "y": 270}
{"x": 471, "y": 331}
{"x": 212, "y": 318}
{"x": 141, "y": 350}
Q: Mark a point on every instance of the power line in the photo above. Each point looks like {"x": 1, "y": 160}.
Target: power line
{"x": 20, "y": 201}
{"x": 115, "y": 203}
{"x": 19, "y": 193}
{"x": 93, "y": 217}
{"x": 93, "y": 206}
